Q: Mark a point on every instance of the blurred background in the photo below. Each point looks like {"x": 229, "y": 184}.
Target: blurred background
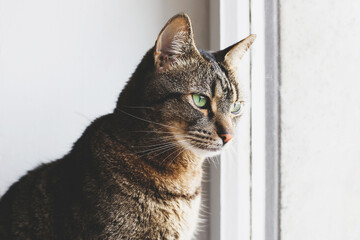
{"x": 295, "y": 173}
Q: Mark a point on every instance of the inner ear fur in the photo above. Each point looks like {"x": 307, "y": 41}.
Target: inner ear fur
{"x": 232, "y": 55}
{"x": 174, "y": 41}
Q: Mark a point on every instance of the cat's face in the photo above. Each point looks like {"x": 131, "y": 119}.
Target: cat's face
{"x": 192, "y": 96}
{"x": 199, "y": 101}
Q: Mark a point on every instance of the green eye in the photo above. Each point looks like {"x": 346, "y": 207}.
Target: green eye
{"x": 236, "y": 108}
{"x": 199, "y": 100}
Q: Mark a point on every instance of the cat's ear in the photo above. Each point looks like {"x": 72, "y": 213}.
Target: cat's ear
{"x": 174, "y": 41}
{"x": 233, "y": 54}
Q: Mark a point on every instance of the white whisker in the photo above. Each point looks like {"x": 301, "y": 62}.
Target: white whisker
{"x": 145, "y": 120}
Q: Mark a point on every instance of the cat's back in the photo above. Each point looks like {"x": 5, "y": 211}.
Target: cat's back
{"x": 24, "y": 202}
{"x": 52, "y": 200}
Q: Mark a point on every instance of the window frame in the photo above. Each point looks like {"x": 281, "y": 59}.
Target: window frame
{"x": 244, "y": 187}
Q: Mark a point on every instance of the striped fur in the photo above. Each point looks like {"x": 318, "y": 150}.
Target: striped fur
{"x": 135, "y": 173}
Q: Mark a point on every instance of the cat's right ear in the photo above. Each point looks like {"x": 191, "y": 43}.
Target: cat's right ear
{"x": 232, "y": 55}
{"x": 174, "y": 42}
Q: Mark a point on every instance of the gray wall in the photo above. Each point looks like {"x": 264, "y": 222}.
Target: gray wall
{"x": 320, "y": 119}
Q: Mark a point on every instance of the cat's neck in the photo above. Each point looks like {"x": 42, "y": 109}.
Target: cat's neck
{"x": 182, "y": 174}
{"x": 140, "y": 155}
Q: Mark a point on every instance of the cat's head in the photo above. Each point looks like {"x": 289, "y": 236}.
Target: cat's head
{"x": 190, "y": 97}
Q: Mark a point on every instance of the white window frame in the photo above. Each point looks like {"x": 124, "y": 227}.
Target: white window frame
{"x": 244, "y": 189}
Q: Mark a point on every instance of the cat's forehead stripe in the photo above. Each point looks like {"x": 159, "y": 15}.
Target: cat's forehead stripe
{"x": 218, "y": 71}
{"x": 228, "y": 87}
{"x": 235, "y": 92}
{"x": 219, "y": 89}
{"x": 225, "y": 81}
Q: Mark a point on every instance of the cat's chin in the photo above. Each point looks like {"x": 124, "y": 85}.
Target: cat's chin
{"x": 202, "y": 152}
{"x": 205, "y": 153}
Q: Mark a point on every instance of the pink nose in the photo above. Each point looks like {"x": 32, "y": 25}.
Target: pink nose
{"x": 226, "y": 137}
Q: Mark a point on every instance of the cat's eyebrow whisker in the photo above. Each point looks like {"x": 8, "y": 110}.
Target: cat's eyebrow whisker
{"x": 145, "y": 120}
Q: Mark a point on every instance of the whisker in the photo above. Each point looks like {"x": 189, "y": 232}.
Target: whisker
{"x": 178, "y": 155}
{"x": 145, "y": 120}
{"x": 161, "y": 142}
{"x": 162, "y": 139}
{"x": 170, "y": 155}
{"x": 155, "y": 145}
{"x": 161, "y": 151}
{"x": 165, "y": 151}
{"x": 141, "y": 107}
{"x": 160, "y": 147}
{"x": 168, "y": 132}
{"x": 167, "y": 137}
{"x": 155, "y": 148}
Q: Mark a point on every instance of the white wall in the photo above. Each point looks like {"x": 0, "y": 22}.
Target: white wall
{"x": 64, "y": 62}
{"x": 320, "y": 119}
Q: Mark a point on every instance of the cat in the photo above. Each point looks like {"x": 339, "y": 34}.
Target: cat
{"x": 136, "y": 173}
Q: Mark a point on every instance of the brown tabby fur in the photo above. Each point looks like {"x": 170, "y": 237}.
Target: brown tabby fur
{"x": 136, "y": 173}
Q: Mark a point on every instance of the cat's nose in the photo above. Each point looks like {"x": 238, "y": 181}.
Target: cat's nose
{"x": 226, "y": 137}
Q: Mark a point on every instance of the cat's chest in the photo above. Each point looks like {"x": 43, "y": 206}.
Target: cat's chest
{"x": 147, "y": 218}
{"x": 180, "y": 216}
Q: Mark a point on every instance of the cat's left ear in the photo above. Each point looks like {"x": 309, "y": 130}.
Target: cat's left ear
{"x": 174, "y": 42}
{"x": 233, "y": 54}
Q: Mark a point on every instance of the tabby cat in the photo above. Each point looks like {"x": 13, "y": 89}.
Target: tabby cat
{"x": 136, "y": 173}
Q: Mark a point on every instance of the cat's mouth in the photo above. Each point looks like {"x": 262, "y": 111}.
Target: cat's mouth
{"x": 205, "y": 151}
{"x": 203, "y": 145}
{"x": 206, "y": 147}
